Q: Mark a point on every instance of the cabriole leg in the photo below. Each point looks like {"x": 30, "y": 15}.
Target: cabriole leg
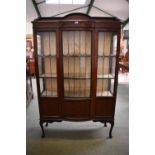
{"x": 46, "y": 124}
{"x": 42, "y": 128}
{"x": 110, "y": 132}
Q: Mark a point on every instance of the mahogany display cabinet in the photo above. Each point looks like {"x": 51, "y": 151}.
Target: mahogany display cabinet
{"x": 76, "y": 61}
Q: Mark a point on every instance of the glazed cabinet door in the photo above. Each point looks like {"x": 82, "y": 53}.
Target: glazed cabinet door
{"x": 106, "y": 73}
{"x": 76, "y": 51}
{"x": 77, "y": 63}
{"x": 106, "y": 63}
{"x": 47, "y": 64}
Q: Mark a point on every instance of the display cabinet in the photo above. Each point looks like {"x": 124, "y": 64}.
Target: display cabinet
{"x": 76, "y": 60}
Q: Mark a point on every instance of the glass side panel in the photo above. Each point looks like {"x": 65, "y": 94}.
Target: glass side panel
{"x": 76, "y": 63}
{"x": 112, "y": 86}
{"x": 107, "y": 46}
{"x": 47, "y": 63}
{"x": 114, "y": 48}
{"x": 113, "y": 65}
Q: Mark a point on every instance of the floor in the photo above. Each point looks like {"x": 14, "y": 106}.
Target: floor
{"x": 80, "y": 138}
{"x": 123, "y": 78}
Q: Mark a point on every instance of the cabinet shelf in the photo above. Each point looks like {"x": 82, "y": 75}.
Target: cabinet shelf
{"x": 76, "y": 55}
{"x": 103, "y": 93}
{"x": 77, "y": 76}
{"x": 105, "y": 76}
{"x": 46, "y": 93}
{"x": 48, "y": 76}
{"x": 46, "y": 56}
{"x": 111, "y": 55}
{"x": 82, "y": 94}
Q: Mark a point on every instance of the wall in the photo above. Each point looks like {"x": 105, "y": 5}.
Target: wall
{"x": 28, "y": 28}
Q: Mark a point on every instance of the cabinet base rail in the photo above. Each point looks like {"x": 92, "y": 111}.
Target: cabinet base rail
{"x": 111, "y": 122}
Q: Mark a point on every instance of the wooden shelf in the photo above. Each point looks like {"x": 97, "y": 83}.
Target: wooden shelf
{"x": 48, "y": 76}
{"x": 48, "y": 56}
{"x": 111, "y": 55}
{"x": 72, "y": 94}
{"x": 77, "y": 76}
{"x": 103, "y": 93}
{"x": 77, "y": 55}
{"x": 46, "y": 93}
{"x": 106, "y": 76}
